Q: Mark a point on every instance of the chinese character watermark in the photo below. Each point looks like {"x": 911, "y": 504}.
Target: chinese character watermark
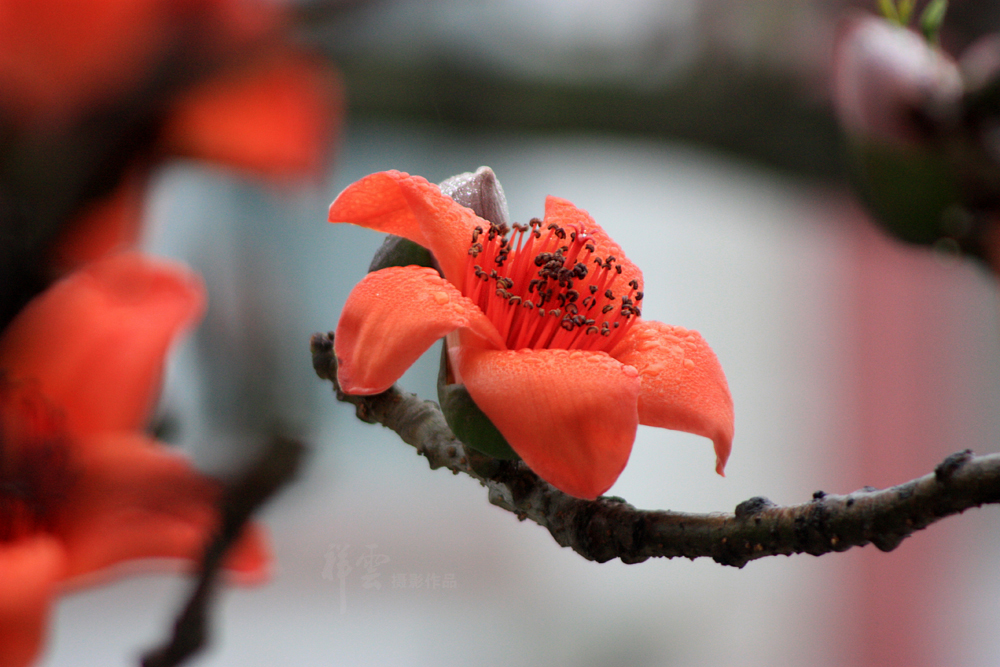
{"x": 337, "y": 567}
{"x": 424, "y": 581}
{"x": 371, "y": 561}
{"x": 337, "y": 556}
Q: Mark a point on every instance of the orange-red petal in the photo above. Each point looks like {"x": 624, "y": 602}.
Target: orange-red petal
{"x": 683, "y": 386}
{"x": 30, "y": 570}
{"x": 277, "y": 118}
{"x": 59, "y": 57}
{"x": 571, "y": 415}
{"x": 409, "y": 206}
{"x": 95, "y": 341}
{"x": 391, "y": 317}
{"x": 135, "y": 499}
{"x": 563, "y": 213}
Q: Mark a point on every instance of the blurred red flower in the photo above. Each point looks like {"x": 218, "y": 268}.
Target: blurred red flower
{"x": 82, "y": 488}
{"x": 96, "y": 93}
{"x": 58, "y": 58}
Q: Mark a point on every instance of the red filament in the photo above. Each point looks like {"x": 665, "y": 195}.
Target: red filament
{"x": 546, "y": 288}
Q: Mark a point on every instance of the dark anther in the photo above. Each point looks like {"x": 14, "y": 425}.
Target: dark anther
{"x": 618, "y": 268}
{"x": 593, "y": 289}
{"x": 607, "y": 309}
{"x": 634, "y": 284}
{"x": 638, "y": 296}
{"x": 608, "y": 294}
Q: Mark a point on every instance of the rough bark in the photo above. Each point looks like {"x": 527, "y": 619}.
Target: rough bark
{"x": 609, "y": 527}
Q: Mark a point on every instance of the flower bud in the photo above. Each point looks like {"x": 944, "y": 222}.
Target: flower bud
{"x": 888, "y": 82}
{"x": 480, "y": 191}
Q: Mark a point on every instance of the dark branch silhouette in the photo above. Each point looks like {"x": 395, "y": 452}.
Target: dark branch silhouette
{"x": 609, "y": 527}
{"x": 277, "y": 465}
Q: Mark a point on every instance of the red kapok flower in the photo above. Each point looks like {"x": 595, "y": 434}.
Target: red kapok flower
{"x": 82, "y": 489}
{"x": 544, "y": 330}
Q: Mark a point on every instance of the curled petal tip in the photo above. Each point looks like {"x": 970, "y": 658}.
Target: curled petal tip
{"x": 249, "y": 561}
{"x": 683, "y": 385}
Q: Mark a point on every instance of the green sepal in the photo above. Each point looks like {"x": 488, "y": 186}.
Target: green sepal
{"x": 931, "y": 20}
{"x": 911, "y": 191}
{"x": 466, "y": 420}
{"x": 397, "y": 251}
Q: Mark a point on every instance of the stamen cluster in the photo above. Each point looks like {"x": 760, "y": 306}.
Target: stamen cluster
{"x": 549, "y": 289}
{"x": 34, "y": 458}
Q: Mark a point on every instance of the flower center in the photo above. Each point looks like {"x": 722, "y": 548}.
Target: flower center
{"x": 34, "y": 455}
{"x": 548, "y": 289}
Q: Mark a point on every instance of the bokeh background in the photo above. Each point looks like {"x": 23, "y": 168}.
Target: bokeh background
{"x": 699, "y": 134}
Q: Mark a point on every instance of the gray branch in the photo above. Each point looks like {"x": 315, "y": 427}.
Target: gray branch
{"x": 609, "y": 527}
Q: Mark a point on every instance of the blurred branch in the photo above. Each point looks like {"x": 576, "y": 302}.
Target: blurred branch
{"x": 747, "y": 111}
{"x": 608, "y": 527}
{"x": 276, "y": 467}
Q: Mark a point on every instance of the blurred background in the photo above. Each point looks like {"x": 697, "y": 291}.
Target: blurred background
{"x": 700, "y": 135}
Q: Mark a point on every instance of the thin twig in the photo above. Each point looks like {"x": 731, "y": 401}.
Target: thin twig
{"x": 277, "y": 466}
{"x": 608, "y": 527}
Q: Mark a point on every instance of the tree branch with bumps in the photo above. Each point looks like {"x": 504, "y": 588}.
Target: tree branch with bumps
{"x": 608, "y": 528}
